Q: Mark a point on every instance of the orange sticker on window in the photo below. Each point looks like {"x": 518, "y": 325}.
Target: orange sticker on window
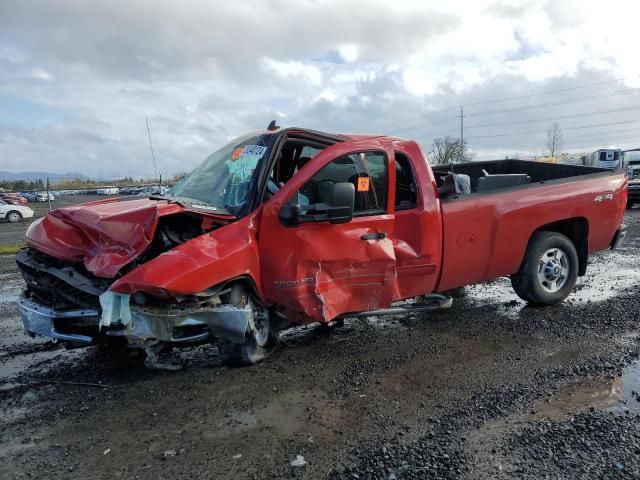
{"x": 363, "y": 184}
{"x": 236, "y": 153}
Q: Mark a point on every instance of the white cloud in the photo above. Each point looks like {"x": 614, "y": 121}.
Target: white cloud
{"x": 203, "y": 73}
{"x": 349, "y": 53}
{"x": 306, "y": 72}
{"x": 40, "y": 74}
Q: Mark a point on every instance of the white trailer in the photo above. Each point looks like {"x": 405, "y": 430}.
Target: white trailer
{"x": 605, "y": 158}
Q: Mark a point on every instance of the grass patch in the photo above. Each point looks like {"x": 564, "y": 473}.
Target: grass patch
{"x": 10, "y": 248}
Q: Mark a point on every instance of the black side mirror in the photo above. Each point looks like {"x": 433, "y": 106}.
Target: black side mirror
{"x": 290, "y": 214}
{"x": 343, "y": 197}
{"x": 339, "y": 209}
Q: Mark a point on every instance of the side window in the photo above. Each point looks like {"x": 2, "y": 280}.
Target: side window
{"x": 406, "y": 188}
{"x": 367, "y": 171}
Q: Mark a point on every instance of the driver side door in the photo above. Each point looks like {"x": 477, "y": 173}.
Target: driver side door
{"x": 316, "y": 270}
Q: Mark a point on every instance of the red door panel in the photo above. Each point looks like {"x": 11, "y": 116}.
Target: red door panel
{"x": 321, "y": 270}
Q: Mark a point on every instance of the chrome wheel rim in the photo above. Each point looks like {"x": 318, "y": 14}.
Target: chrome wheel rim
{"x": 553, "y": 270}
{"x": 13, "y": 217}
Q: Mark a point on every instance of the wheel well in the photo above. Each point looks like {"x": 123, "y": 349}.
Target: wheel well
{"x": 577, "y": 230}
{"x": 249, "y": 283}
{"x": 13, "y": 211}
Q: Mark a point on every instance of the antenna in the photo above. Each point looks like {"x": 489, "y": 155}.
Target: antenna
{"x": 153, "y": 158}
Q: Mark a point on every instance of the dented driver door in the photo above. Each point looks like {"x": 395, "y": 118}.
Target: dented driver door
{"x": 318, "y": 270}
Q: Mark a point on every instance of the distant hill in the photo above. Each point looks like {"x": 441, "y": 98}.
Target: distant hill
{"x": 53, "y": 177}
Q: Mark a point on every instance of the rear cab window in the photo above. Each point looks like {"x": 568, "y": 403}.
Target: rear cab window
{"x": 406, "y": 196}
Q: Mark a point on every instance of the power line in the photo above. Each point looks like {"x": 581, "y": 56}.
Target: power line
{"x": 563, "y": 117}
{"x": 560, "y": 102}
{"x": 544, "y": 131}
{"x": 498, "y": 100}
{"x": 549, "y": 92}
{"x": 531, "y": 107}
{"x": 568, "y": 142}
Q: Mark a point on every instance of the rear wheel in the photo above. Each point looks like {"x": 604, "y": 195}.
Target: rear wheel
{"x": 14, "y": 216}
{"x": 262, "y": 333}
{"x": 549, "y": 271}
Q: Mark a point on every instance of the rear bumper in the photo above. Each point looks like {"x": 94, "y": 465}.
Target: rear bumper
{"x": 619, "y": 237}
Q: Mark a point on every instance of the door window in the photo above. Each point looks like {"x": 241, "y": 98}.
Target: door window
{"x": 367, "y": 171}
{"x": 406, "y": 190}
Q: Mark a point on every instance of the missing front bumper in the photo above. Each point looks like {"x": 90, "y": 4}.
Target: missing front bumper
{"x": 40, "y": 320}
{"x": 136, "y": 324}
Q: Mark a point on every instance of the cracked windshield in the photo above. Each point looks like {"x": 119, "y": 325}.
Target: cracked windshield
{"x": 224, "y": 179}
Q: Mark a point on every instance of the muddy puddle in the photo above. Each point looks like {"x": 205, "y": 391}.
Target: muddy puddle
{"x": 619, "y": 394}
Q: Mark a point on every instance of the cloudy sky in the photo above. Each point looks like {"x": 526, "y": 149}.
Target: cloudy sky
{"x": 78, "y": 78}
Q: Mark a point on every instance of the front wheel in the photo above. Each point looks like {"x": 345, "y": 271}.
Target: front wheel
{"x": 14, "y": 217}
{"x": 549, "y": 271}
{"x": 261, "y": 337}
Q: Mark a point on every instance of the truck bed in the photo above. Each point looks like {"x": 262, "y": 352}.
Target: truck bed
{"x": 485, "y": 232}
{"x": 512, "y": 172}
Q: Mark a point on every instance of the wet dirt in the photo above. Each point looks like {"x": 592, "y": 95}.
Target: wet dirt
{"x": 463, "y": 393}
{"x": 618, "y": 394}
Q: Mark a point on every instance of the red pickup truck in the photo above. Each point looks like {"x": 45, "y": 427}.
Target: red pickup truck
{"x": 289, "y": 226}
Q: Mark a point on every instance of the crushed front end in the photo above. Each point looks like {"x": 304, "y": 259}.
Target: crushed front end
{"x": 66, "y": 303}
{"x": 75, "y": 295}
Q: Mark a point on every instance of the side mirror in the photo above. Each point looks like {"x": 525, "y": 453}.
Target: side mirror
{"x": 339, "y": 209}
{"x": 290, "y": 214}
{"x": 343, "y": 196}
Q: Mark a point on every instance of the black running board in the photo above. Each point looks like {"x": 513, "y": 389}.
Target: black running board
{"x": 436, "y": 301}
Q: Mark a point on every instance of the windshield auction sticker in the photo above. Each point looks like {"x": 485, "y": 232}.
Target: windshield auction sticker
{"x": 244, "y": 160}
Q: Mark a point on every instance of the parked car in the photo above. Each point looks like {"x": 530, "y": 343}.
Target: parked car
{"x": 294, "y": 226}
{"x": 38, "y": 196}
{"x": 108, "y": 191}
{"x": 152, "y": 190}
{"x": 13, "y": 199}
{"x": 14, "y": 213}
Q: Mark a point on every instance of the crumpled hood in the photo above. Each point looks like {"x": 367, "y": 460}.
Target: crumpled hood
{"x": 104, "y": 235}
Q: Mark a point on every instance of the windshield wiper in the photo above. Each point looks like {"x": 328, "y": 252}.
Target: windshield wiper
{"x": 193, "y": 203}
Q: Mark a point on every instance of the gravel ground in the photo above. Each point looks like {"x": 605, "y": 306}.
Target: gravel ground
{"x": 489, "y": 389}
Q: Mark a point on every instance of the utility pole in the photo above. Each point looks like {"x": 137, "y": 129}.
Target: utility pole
{"x": 48, "y": 194}
{"x": 461, "y": 134}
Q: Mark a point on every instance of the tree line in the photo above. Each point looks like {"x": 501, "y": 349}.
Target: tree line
{"x": 82, "y": 183}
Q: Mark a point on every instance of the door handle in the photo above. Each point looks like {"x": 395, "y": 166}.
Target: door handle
{"x": 373, "y": 236}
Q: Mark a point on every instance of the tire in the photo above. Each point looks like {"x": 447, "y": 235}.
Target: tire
{"x": 630, "y": 204}
{"x": 14, "y": 216}
{"x": 549, "y": 271}
{"x": 261, "y": 338}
